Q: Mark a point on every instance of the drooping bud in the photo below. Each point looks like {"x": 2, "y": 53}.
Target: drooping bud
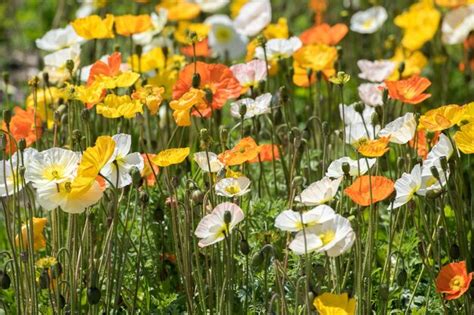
{"x": 93, "y": 295}
{"x": 244, "y": 247}
{"x": 7, "y": 116}
{"x": 196, "y": 82}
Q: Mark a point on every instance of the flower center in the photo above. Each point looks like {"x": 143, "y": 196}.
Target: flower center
{"x": 53, "y": 173}
{"x": 233, "y": 189}
{"x": 223, "y": 34}
{"x": 368, "y": 23}
{"x": 327, "y": 237}
{"x": 456, "y": 283}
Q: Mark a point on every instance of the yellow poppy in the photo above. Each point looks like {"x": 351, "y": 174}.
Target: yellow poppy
{"x": 441, "y": 118}
{"x": 39, "y": 241}
{"x": 374, "y": 148}
{"x": 184, "y": 28}
{"x": 151, "y": 96}
{"x": 179, "y": 9}
{"x": 468, "y": 114}
{"x": 277, "y": 30}
{"x": 115, "y": 106}
{"x": 127, "y": 25}
{"x": 170, "y": 156}
{"x": 182, "y": 107}
{"x": 94, "y": 27}
{"x": 464, "y": 138}
{"x": 122, "y": 80}
{"x": 235, "y": 7}
{"x": 331, "y": 304}
{"x": 318, "y": 58}
{"x": 414, "y": 62}
{"x": 89, "y": 94}
{"x": 46, "y": 103}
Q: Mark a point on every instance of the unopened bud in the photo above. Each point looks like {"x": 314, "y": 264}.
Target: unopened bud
{"x": 70, "y": 65}
{"x": 196, "y": 82}
{"x": 22, "y": 144}
{"x": 444, "y": 163}
{"x": 7, "y": 116}
{"x": 138, "y": 50}
{"x": 227, "y": 217}
{"x": 454, "y": 252}
{"x": 346, "y": 168}
{"x": 435, "y": 172}
{"x": 244, "y": 247}
{"x": 359, "y": 107}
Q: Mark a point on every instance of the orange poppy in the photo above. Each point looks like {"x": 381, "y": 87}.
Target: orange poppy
{"x": 246, "y": 150}
{"x": 202, "y": 49}
{"x": 374, "y": 148}
{"x": 324, "y": 34}
{"x": 109, "y": 69}
{"x": 128, "y": 24}
{"x": 23, "y": 126}
{"x": 453, "y": 280}
{"x": 468, "y": 47}
{"x": 365, "y": 191}
{"x": 421, "y": 144}
{"x": 319, "y": 7}
{"x": 266, "y": 154}
{"x": 410, "y": 90}
{"x": 218, "y": 78}
{"x": 150, "y": 169}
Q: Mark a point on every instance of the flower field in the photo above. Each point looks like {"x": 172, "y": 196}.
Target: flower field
{"x": 237, "y": 157}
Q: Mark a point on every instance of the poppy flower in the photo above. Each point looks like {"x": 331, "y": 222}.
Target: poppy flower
{"x": 23, "y": 125}
{"x": 356, "y": 167}
{"x": 94, "y": 27}
{"x": 224, "y": 39}
{"x": 374, "y": 148}
{"x": 158, "y": 22}
{"x": 202, "y": 49}
{"x": 233, "y": 187}
{"x": 413, "y": 61}
{"x": 151, "y": 96}
{"x": 324, "y": 34}
{"x": 193, "y": 99}
{"x": 115, "y": 106}
{"x": 375, "y": 71}
{"x": 369, "y": 21}
{"x": 127, "y": 25}
{"x": 318, "y": 58}
{"x": 179, "y": 10}
{"x": 253, "y": 17}
{"x": 401, "y": 130}
{"x": 170, "y": 157}
{"x": 367, "y": 190}
{"x": 453, "y": 280}
{"x": 294, "y": 221}
{"x": 410, "y": 90}
{"x": 39, "y": 241}
{"x": 464, "y": 138}
{"x": 59, "y": 38}
{"x": 150, "y": 169}
{"x": 406, "y": 186}
{"x": 208, "y": 161}
{"x": 46, "y": 103}
{"x": 442, "y": 118}
{"x": 218, "y": 78}
{"x": 329, "y": 303}
{"x": 319, "y": 192}
{"x": 422, "y": 143}
{"x": 11, "y": 183}
{"x": 246, "y": 150}
{"x": 109, "y": 74}
{"x": 266, "y": 154}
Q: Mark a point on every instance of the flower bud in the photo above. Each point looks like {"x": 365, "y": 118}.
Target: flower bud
{"x": 244, "y": 247}
{"x": 454, "y": 252}
{"x": 138, "y": 50}
{"x": 283, "y": 92}
{"x": 70, "y": 65}
{"x": 158, "y": 214}
{"x": 435, "y": 172}
{"x": 144, "y": 198}
{"x": 46, "y": 77}
{"x": 257, "y": 260}
{"x": 196, "y": 82}
{"x": 197, "y": 196}
{"x": 242, "y": 110}
{"x": 22, "y": 144}
{"x": 93, "y": 295}
{"x": 298, "y": 181}
{"x": 5, "y": 280}
{"x": 136, "y": 177}
{"x": 359, "y": 107}
{"x": 346, "y": 168}
{"x": 7, "y": 116}
{"x": 227, "y": 217}
{"x": 444, "y": 163}
{"x": 223, "y": 134}
{"x": 85, "y": 115}
{"x": 401, "y": 68}
{"x": 209, "y": 96}
{"x": 402, "y": 277}
{"x": 44, "y": 279}
{"x": 375, "y": 119}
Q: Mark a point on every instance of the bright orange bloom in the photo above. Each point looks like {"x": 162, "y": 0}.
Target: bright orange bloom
{"x": 374, "y": 148}
{"x": 39, "y": 242}
{"x": 246, "y": 150}
{"x": 127, "y": 25}
{"x": 218, "y": 78}
{"x": 367, "y": 190}
{"x": 422, "y": 145}
{"x": 319, "y": 7}
{"x": 266, "y": 154}
{"x": 202, "y": 49}
{"x": 324, "y": 34}
{"x": 150, "y": 169}
{"x": 23, "y": 126}
{"x": 109, "y": 69}
{"x": 453, "y": 280}
{"x": 410, "y": 90}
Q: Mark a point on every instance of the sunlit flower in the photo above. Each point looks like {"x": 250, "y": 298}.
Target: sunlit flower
{"x": 171, "y": 156}
{"x": 457, "y": 24}
{"x": 118, "y": 168}
{"x": 368, "y": 21}
{"x": 55, "y": 63}
{"x": 59, "y": 38}
{"x": 23, "y": 125}
{"x": 184, "y": 28}
{"x": 94, "y": 27}
{"x": 319, "y": 192}
{"x": 151, "y": 96}
{"x": 453, "y": 280}
{"x": 39, "y": 241}
{"x": 358, "y": 133}
{"x": 293, "y": 221}
{"x": 150, "y": 170}
{"x": 115, "y": 106}
{"x": 401, "y": 130}
{"x": 211, "y": 6}
{"x": 46, "y": 262}
{"x": 254, "y": 107}
{"x": 127, "y": 25}
{"x": 208, "y": 161}
{"x": 443, "y": 147}
{"x": 201, "y": 49}
{"x": 158, "y": 22}
{"x": 370, "y": 94}
{"x": 110, "y": 74}
{"x": 367, "y": 190}
{"x": 356, "y": 167}
{"x": 324, "y": 34}
{"x": 219, "y": 224}
{"x": 331, "y": 304}
{"x": 317, "y": 58}
{"x": 375, "y": 71}
{"x": 268, "y": 153}
{"x": 179, "y": 10}
{"x": 250, "y": 74}
{"x": 193, "y": 99}
{"x": 11, "y": 182}
{"x": 279, "y": 48}
{"x": 272, "y": 31}
{"x": 419, "y": 24}
{"x": 245, "y": 150}
{"x": 442, "y": 118}
{"x": 464, "y": 138}
{"x": 350, "y": 116}
{"x": 452, "y": 3}
{"x": 410, "y": 90}
{"x": 374, "y": 148}
{"x": 224, "y": 40}
{"x": 423, "y": 141}
{"x": 232, "y": 187}
{"x": 253, "y": 17}
{"x": 406, "y": 186}
{"x": 413, "y": 62}
{"x": 217, "y": 78}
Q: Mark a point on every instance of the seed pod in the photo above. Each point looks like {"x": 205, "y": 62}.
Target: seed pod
{"x": 197, "y": 196}
{"x": 402, "y": 277}
{"x": 244, "y": 247}
{"x": 454, "y": 252}
{"x": 4, "y": 280}
{"x": 93, "y": 295}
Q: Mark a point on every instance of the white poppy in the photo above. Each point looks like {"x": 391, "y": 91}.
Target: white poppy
{"x": 279, "y": 48}
{"x": 406, "y": 186}
{"x": 358, "y": 133}
{"x": 429, "y": 183}
{"x": 208, "y": 161}
{"x": 224, "y": 40}
{"x": 375, "y": 71}
{"x": 213, "y": 228}
{"x": 350, "y": 116}
{"x": 443, "y": 147}
{"x": 401, "y": 130}
{"x": 10, "y": 180}
{"x": 253, "y": 17}
{"x": 250, "y": 73}
{"x": 211, "y": 6}
{"x": 255, "y": 107}
{"x": 457, "y": 24}
{"x": 368, "y": 21}
{"x": 232, "y": 187}
{"x": 356, "y": 168}
{"x": 117, "y": 170}
{"x": 319, "y": 192}
{"x": 59, "y": 38}
{"x": 54, "y": 165}
{"x": 158, "y": 22}
{"x": 371, "y": 94}
{"x": 305, "y": 242}
{"x": 336, "y": 235}
{"x": 293, "y": 221}
{"x": 55, "y": 63}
